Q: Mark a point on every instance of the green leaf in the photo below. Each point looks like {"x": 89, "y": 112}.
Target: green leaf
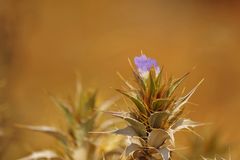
{"x": 158, "y": 119}
{"x": 171, "y": 135}
{"x": 105, "y": 105}
{"x": 89, "y": 124}
{"x": 158, "y": 103}
{"x": 59, "y": 135}
{"x": 78, "y": 94}
{"x": 110, "y": 123}
{"x": 137, "y": 126}
{"x": 65, "y": 108}
{"x": 184, "y": 124}
{"x": 91, "y": 100}
{"x": 140, "y": 81}
{"x": 183, "y": 100}
{"x": 128, "y": 131}
{"x": 138, "y": 77}
{"x": 157, "y": 137}
{"x": 152, "y": 82}
{"x": 159, "y": 79}
{"x": 131, "y": 148}
{"x": 141, "y": 107}
{"x": 122, "y": 114}
{"x": 44, "y": 154}
{"x": 125, "y": 81}
{"x": 175, "y": 84}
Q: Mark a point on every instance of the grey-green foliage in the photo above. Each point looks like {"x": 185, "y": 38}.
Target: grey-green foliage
{"x": 156, "y": 116}
{"x": 210, "y": 146}
{"x": 77, "y": 143}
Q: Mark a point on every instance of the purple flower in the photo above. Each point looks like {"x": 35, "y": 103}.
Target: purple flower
{"x": 144, "y": 65}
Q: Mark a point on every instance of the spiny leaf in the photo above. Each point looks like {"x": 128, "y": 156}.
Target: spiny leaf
{"x": 125, "y": 81}
{"x": 141, "y": 107}
{"x": 45, "y": 154}
{"x": 140, "y": 82}
{"x": 135, "y": 124}
{"x": 108, "y": 103}
{"x": 175, "y": 117}
{"x": 105, "y": 105}
{"x": 138, "y": 126}
{"x": 175, "y": 84}
{"x": 152, "y": 86}
{"x": 122, "y": 114}
{"x": 165, "y": 152}
{"x": 127, "y": 131}
{"x": 217, "y": 157}
{"x": 158, "y": 103}
{"x": 159, "y": 78}
{"x": 181, "y": 101}
{"x": 65, "y": 108}
{"x": 184, "y": 124}
{"x": 86, "y": 106}
{"x": 78, "y": 94}
{"x": 90, "y": 103}
{"x": 108, "y": 124}
{"x": 139, "y": 79}
{"x": 171, "y": 136}
{"x": 157, "y": 119}
{"x": 157, "y": 137}
{"x": 59, "y": 135}
{"x": 138, "y": 140}
{"x": 89, "y": 123}
{"x": 131, "y": 148}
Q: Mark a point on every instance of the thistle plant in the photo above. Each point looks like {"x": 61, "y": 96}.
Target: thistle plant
{"x": 211, "y": 146}
{"x": 82, "y": 117}
{"x": 157, "y": 114}
{"x": 217, "y": 157}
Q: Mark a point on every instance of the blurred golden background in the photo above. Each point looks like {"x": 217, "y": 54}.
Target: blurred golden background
{"x": 43, "y": 43}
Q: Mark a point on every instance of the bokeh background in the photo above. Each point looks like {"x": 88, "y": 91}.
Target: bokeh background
{"x": 43, "y": 43}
